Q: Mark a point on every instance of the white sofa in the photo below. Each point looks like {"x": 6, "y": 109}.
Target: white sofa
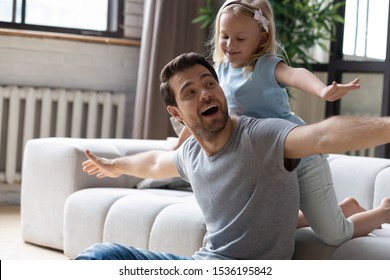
{"x": 65, "y": 209}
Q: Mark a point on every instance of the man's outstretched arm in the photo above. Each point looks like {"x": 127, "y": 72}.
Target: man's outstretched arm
{"x": 337, "y": 134}
{"x": 152, "y": 164}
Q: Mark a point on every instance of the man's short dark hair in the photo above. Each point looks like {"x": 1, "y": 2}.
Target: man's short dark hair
{"x": 177, "y": 65}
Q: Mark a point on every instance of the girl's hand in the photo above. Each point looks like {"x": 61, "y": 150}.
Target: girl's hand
{"x": 335, "y": 91}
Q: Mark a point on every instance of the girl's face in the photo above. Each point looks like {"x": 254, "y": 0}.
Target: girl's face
{"x": 240, "y": 37}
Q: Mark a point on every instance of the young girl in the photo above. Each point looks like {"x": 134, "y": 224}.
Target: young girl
{"x": 253, "y": 78}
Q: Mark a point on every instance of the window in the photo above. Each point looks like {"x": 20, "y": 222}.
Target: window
{"x": 365, "y": 30}
{"x": 365, "y": 39}
{"x": 87, "y": 17}
{"x": 360, "y": 50}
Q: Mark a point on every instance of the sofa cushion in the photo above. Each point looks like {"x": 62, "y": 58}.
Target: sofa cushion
{"x": 175, "y": 183}
{"x": 119, "y": 215}
{"x": 309, "y": 247}
{"x": 85, "y": 212}
{"x": 173, "y": 223}
{"x": 131, "y": 218}
{"x": 364, "y": 248}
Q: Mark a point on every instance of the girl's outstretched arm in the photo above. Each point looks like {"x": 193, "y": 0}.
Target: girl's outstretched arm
{"x": 306, "y": 81}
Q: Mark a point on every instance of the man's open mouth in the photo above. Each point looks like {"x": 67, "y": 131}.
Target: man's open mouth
{"x": 209, "y": 111}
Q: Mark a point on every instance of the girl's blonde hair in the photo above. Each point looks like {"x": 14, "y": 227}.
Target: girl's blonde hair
{"x": 248, "y": 7}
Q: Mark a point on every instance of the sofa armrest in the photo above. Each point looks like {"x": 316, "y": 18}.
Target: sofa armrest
{"x": 356, "y": 176}
{"x": 52, "y": 171}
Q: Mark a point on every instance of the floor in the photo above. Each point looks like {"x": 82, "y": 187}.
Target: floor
{"x": 12, "y": 247}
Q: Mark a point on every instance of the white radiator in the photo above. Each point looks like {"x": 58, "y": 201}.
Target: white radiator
{"x": 27, "y": 113}
{"x": 370, "y": 152}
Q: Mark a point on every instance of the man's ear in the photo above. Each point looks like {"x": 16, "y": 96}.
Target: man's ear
{"x": 174, "y": 113}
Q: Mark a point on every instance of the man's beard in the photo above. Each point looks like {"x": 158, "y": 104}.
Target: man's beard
{"x": 210, "y": 131}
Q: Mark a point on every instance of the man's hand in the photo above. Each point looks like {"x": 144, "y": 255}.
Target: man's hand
{"x": 101, "y": 167}
{"x": 335, "y": 91}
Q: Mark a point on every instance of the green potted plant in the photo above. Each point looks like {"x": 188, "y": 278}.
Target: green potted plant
{"x": 300, "y": 25}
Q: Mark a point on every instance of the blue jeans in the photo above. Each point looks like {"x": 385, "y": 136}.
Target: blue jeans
{"x": 114, "y": 251}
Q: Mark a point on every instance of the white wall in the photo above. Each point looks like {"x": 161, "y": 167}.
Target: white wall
{"x": 61, "y": 63}
{"x": 70, "y": 64}
{"x": 29, "y": 61}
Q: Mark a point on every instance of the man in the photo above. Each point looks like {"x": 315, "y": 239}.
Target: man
{"x": 241, "y": 169}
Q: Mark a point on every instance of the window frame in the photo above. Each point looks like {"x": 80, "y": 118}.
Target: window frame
{"x": 115, "y": 22}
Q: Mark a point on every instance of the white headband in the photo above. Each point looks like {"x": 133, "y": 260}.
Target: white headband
{"x": 257, "y": 14}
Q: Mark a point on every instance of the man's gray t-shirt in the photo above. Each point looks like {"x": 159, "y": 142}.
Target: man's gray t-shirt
{"x": 249, "y": 200}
